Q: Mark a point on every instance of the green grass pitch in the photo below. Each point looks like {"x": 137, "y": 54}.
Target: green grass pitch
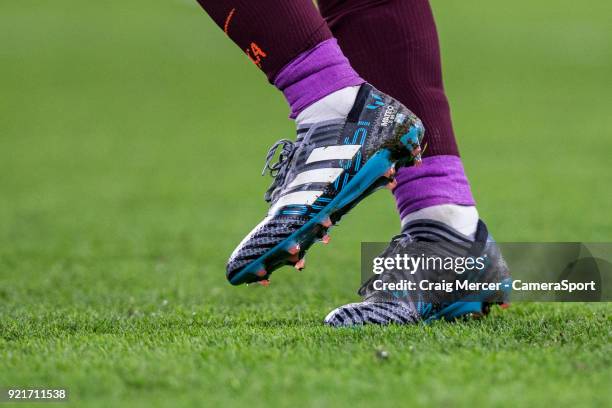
{"x": 131, "y": 139}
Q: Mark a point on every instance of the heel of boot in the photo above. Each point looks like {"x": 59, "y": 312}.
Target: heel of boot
{"x": 411, "y": 142}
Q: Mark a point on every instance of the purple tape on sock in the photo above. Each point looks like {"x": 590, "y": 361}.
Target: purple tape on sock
{"x": 314, "y": 74}
{"x": 438, "y": 180}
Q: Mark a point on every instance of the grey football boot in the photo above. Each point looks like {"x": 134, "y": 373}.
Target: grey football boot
{"x": 487, "y": 283}
{"x": 330, "y": 168}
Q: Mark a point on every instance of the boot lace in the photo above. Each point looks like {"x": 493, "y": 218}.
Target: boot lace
{"x": 278, "y": 170}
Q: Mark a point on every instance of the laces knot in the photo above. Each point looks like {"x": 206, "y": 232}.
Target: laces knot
{"x": 278, "y": 170}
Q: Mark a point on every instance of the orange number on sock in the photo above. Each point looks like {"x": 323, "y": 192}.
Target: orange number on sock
{"x": 256, "y": 54}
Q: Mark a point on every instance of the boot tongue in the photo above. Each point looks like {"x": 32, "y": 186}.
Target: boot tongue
{"x": 324, "y": 133}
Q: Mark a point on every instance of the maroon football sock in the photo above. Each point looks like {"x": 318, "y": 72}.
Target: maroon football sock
{"x": 271, "y": 32}
{"x": 290, "y": 42}
{"x": 393, "y": 44}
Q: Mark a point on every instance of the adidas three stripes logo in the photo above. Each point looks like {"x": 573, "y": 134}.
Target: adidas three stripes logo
{"x": 326, "y": 175}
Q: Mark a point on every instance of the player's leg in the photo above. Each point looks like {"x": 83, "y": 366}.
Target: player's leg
{"x": 275, "y": 33}
{"x": 351, "y": 137}
{"x": 393, "y": 44}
